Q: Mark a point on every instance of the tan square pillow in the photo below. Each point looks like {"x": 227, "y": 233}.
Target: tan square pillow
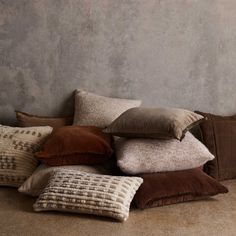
{"x": 81, "y": 192}
{"x": 141, "y": 122}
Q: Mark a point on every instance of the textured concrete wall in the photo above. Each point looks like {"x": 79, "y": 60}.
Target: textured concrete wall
{"x": 166, "y": 52}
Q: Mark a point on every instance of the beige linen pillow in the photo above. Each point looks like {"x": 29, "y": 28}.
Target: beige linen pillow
{"x": 141, "y": 122}
{"x": 81, "y": 192}
{"x": 35, "y": 184}
{"x": 17, "y": 147}
{"x": 136, "y": 156}
{"x": 95, "y": 110}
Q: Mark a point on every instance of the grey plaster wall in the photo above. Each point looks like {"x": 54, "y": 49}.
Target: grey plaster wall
{"x": 166, "y": 52}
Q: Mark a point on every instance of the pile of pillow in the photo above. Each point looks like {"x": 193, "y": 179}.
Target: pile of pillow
{"x": 156, "y": 145}
{"x": 68, "y": 162}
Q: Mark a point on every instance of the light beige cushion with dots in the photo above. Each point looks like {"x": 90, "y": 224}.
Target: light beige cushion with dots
{"x": 17, "y": 147}
{"x": 76, "y": 191}
{"x": 97, "y": 110}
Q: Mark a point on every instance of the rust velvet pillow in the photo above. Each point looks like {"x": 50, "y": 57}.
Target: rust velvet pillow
{"x": 219, "y": 135}
{"x": 28, "y": 120}
{"x": 74, "y": 145}
{"x": 165, "y": 188}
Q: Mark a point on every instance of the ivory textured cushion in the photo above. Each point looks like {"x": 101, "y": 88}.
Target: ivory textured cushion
{"x": 95, "y": 110}
{"x": 159, "y": 189}
{"x": 28, "y": 120}
{"x": 219, "y": 135}
{"x": 17, "y": 147}
{"x": 81, "y": 192}
{"x": 141, "y": 122}
{"x": 74, "y": 145}
{"x": 35, "y": 184}
{"x": 136, "y": 156}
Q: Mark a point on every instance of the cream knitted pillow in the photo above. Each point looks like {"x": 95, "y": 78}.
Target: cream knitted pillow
{"x": 17, "y": 147}
{"x": 81, "y": 192}
{"x": 136, "y": 156}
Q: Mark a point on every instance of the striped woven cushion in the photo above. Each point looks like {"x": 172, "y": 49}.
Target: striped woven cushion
{"x": 17, "y": 147}
{"x": 81, "y": 192}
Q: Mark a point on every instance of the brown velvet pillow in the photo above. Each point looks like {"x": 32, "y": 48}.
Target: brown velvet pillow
{"x": 28, "y": 120}
{"x": 163, "y": 123}
{"x": 73, "y": 145}
{"x": 219, "y": 135}
{"x": 165, "y": 188}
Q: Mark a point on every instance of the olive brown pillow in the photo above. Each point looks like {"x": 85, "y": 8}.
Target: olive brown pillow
{"x": 28, "y": 120}
{"x": 219, "y": 135}
{"x": 73, "y": 145}
{"x": 159, "y": 189}
{"x": 141, "y": 122}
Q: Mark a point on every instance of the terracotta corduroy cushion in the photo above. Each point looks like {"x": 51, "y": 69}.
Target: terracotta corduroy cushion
{"x": 159, "y": 189}
{"x": 73, "y": 145}
{"x": 28, "y": 120}
{"x": 219, "y": 135}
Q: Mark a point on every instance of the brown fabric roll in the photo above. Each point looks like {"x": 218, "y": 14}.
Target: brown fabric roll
{"x": 219, "y": 135}
{"x": 28, "y": 120}
{"x": 72, "y": 145}
{"x": 165, "y": 188}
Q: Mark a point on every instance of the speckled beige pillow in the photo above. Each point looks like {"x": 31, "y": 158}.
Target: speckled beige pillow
{"x": 95, "y": 110}
{"x": 136, "y": 156}
{"x": 17, "y": 147}
{"x": 76, "y": 191}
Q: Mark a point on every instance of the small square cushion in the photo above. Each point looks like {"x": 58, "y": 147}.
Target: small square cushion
{"x": 28, "y": 120}
{"x": 74, "y": 145}
{"x": 136, "y": 156}
{"x": 17, "y": 147}
{"x": 35, "y": 184}
{"x": 219, "y": 135}
{"x": 96, "y": 110}
{"x": 165, "y": 123}
{"x": 81, "y": 192}
{"x": 160, "y": 189}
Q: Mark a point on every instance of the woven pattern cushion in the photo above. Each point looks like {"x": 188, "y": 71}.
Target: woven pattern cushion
{"x": 143, "y": 122}
{"x": 136, "y": 156}
{"x": 35, "y": 184}
{"x": 81, "y": 192}
{"x": 100, "y": 111}
{"x": 17, "y": 147}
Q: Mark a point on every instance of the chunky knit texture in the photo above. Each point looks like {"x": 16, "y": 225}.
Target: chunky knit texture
{"x": 81, "y": 192}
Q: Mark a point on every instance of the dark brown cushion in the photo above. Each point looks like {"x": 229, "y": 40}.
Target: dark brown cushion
{"x": 73, "y": 145}
{"x": 28, "y": 120}
{"x": 219, "y": 135}
{"x": 165, "y": 188}
{"x": 143, "y": 122}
